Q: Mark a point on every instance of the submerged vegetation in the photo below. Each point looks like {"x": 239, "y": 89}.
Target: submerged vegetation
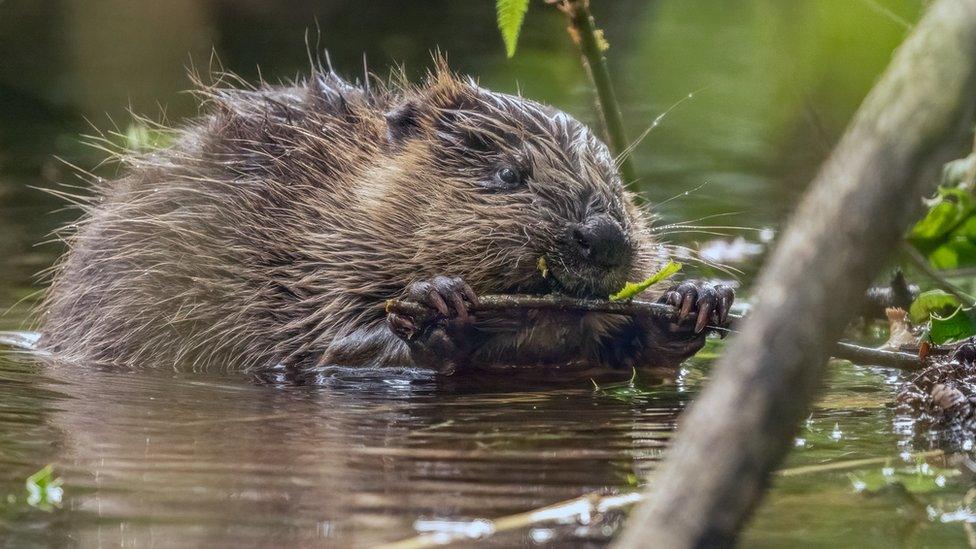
{"x": 44, "y": 490}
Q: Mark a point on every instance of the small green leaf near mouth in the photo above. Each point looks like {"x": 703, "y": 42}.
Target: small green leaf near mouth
{"x": 632, "y": 289}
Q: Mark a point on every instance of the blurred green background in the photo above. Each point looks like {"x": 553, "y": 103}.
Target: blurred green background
{"x": 774, "y": 82}
{"x": 778, "y": 80}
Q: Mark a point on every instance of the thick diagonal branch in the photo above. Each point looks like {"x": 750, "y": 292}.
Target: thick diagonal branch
{"x": 847, "y": 225}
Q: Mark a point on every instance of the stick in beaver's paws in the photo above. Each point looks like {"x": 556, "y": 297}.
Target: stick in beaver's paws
{"x": 434, "y": 320}
{"x": 440, "y": 338}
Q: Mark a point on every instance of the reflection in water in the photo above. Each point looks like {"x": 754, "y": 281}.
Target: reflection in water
{"x": 153, "y": 456}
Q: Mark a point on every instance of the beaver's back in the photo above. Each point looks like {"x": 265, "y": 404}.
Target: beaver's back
{"x": 191, "y": 243}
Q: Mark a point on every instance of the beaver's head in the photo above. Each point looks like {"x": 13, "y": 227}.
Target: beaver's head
{"x": 516, "y": 196}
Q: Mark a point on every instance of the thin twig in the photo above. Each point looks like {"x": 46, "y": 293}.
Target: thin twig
{"x": 877, "y": 357}
{"x": 587, "y": 504}
{"x": 851, "y": 464}
{"x": 504, "y": 302}
{"x": 591, "y": 44}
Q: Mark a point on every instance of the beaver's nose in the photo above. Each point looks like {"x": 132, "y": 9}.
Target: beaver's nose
{"x": 601, "y": 240}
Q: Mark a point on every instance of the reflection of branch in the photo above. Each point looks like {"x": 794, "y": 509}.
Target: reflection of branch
{"x": 940, "y": 281}
{"x": 847, "y": 351}
{"x": 582, "y": 507}
{"x": 588, "y": 505}
{"x": 591, "y": 44}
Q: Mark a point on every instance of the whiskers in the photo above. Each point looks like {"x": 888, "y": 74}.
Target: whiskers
{"x": 620, "y": 158}
{"x": 682, "y": 194}
{"x": 698, "y": 226}
{"x": 686, "y": 254}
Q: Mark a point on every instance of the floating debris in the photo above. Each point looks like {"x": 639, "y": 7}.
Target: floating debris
{"x": 44, "y": 490}
{"x": 942, "y": 398}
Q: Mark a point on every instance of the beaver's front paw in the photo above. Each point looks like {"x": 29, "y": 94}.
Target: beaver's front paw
{"x": 434, "y": 320}
{"x": 667, "y": 343}
{"x": 699, "y": 305}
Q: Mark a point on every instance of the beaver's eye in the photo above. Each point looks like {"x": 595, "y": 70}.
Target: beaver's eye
{"x": 508, "y": 177}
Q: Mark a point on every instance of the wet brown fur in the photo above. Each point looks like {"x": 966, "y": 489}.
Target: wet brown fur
{"x": 275, "y": 227}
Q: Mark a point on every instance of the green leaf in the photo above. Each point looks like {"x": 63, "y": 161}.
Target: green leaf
{"x": 947, "y": 210}
{"x": 932, "y": 301}
{"x": 947, "y": 233}
{"x": 955, "y": 327}
{"x": 631, "y": 289}
{"x": 511, "y": 14}
{"x": 955, "y": 253}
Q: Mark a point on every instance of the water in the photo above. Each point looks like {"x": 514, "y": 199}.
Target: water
{"x": 153, "y": 457}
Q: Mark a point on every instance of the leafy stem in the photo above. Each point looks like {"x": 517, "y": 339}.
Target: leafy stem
{"x": 582, "y": 29}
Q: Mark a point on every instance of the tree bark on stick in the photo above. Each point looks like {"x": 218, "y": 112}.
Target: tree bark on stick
{"x": 854, "y": 214}
{"x": 513, "y": 302}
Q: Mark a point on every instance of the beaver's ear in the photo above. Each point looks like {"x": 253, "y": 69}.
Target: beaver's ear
{"x": 403, "y": 122}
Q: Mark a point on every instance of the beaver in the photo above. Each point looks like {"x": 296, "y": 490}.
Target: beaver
{"x": 276, "y": 225}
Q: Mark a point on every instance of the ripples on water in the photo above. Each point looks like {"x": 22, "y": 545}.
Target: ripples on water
{"x": 155, "y": 457}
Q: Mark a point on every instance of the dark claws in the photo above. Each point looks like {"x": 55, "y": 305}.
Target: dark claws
{"x": 708, "y": 305}
{"x": 685, "y": 309}
{"x": 401, "y": 326}
{"x": 725, "y": 297}
{"x": 458, "y": 293}
{"x": 449, "y": 297}
{"x": 434, "y": 321}
{"x": 705, "y": 305}
{"x": 435, "y": 300}
{"x": 469, "y": 294}
{"x": 445, "y": 299}
{"x": 459, "y": 307}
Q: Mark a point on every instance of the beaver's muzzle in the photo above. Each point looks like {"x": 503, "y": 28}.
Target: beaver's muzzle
{"x": 600, "y": 242}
